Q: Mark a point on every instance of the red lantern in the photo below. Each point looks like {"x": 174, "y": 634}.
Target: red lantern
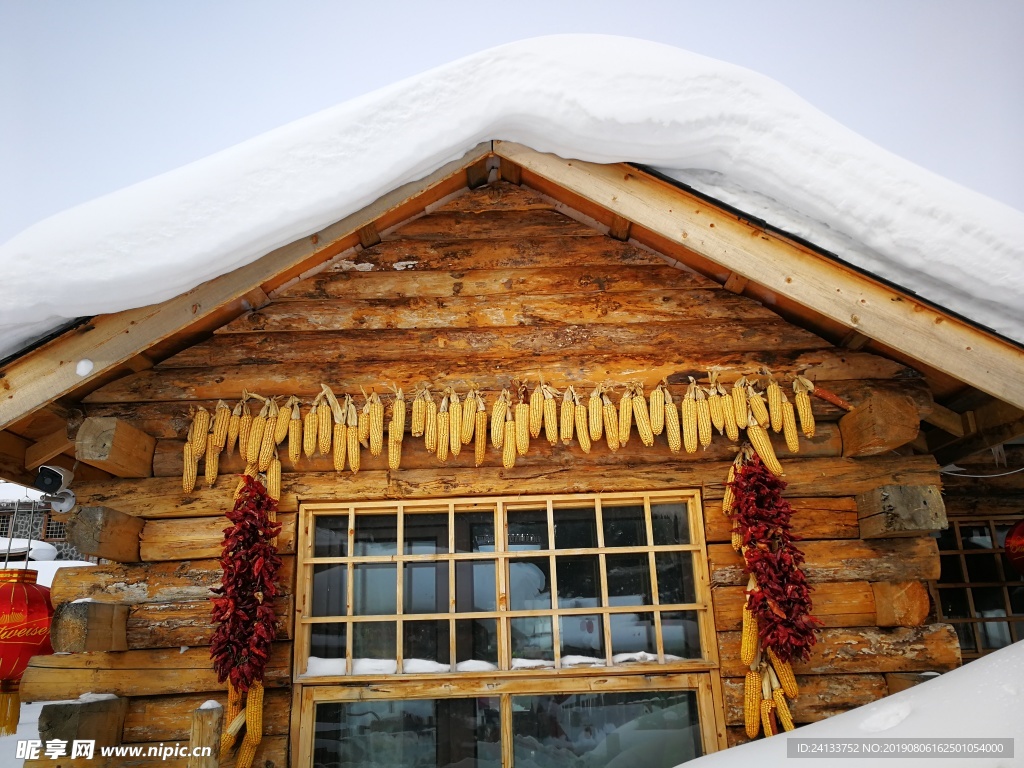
{"x": 25, "y": 613}
{"x": 1015, "y": 546}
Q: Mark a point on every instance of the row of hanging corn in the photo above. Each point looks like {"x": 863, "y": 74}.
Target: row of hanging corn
{"x": 333, "y": 426}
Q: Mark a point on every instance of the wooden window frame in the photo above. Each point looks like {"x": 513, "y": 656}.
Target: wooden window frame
{"x": 47, "y": 519}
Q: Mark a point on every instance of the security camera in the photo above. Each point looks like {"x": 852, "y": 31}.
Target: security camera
{"x": 53, "y": 480}
{"x": 60, "y": 502}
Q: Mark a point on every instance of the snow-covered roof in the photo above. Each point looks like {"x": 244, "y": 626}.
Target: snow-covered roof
{"x": 722, "y": 129}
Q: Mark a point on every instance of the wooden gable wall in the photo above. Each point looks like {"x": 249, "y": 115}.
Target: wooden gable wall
{"x": 495, "y": 284}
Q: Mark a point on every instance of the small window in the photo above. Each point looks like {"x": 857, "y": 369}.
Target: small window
{"x": 54, "y": 530}
{"x": 5, "y": 523}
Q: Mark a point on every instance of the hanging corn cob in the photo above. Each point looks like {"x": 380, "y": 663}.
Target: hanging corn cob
{"x": 749, "y": 637}
{"x": 703, "y": 417}
{"x": 284, "y": 418}
{"x": 688, "y": 417}
{"x": 352, "y": 433}
{"x": 444, "y": 427}
{"x": 274, "y": 478}
{"x": 672, "y": 432}
{"x": 752, "y": 704}
{"x": 396, "y": 430}
{"x": 245, "y": 426}
{"x": 455, "y": 423}
{"x": 254, "y": 445}
{"x": 376, "y": 424}
{"x": 582, "y": 426}
{"x": 773, "y": 393}
{"x": 481, "y": 430}
{"x": 625, "y": 416}
{"x": 758, "y": 437}
{"x": 469, "y": 417}
{"x": 508, "y": 451}
{"x": 611, "y": 420}
{"x": 784, "y": 670}
{"x": 190, "y": 468}
{"x": 419, "y": 410}
{"x": 498, "y": 419}
{"x": 233, "y": 426}
{"x": 536, "y": 410}
{"x": 339, "y": 438}
{"x": 595, "y": 414}
{"x": 767, "y": 707}
{"x": 567, "y": 420}
{"x": 429, "y": 423}
{"x": 732, "y": 430}
{"x": 739, "y": 401}
{"x": 310, "y": 422}
{"x": 657, "y": 409}
{"x": 198, "y": 430}
{"x": 221, "y": 420}
{"x": 789, "y": 429}
{"x": 268, "y": 444}
{"x": 295, "y": 432}
{"x": 364, "y": 421}
{"x": 642, "y": 416}
{"x": 324, "y": 423}
{"x": 802, "y": 389}
{"x": 781, "y": 706}
{"x": 212, "y": 460}
{"x": 550, "y": 413}
{"x": 521, "y": 414}
{"x": 758, "y": 408}
{"x": 715, "y": 403}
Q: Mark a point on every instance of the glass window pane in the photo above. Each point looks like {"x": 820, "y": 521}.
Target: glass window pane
{"x": 425, "y": 647}
{"x": 582, "y": 640}
{"x": 426, "y": 588}
{"x": 575, "y": 528}
{"x": 527, "y": 529}
{"x": 475, "y": 586}
{"x": 330, "y": 538}
{"x": 952, "y": 572}
{"x": 965, "y": 632}
{"x": 426, "y": 534}
{"x": 474, "y": 532}
{"x": 532, "y": 644}
{"x": 989, "y": 601}
{"x": 330, "y": 589}
{"x": 1001, "y": 531}
{"x": 624, "y": 526}
{"x": 1017, "y": 600}
{"x": 529, "y": 584}
{"x": 579, "y": 581}
{"x": 947, "y": 539}
{"x": 376, "y": 535}
{"x": 629, "y": 580}
{"x": 994, "y": 634}
{"x": 327, "y": 641}
{"x": 373, "y": 648}
{"x": 1011, "y": 573}
{"x": 675, "y": 577}
{"x": 652, "y": 729}
{"x": 408, "y": 734}
{"x": 983, "y": 568}
{"x": 375, "y": 589}
{"x": 680, "y": 635}
{"x": 633, "y": 637}
{"x": 976, "y": 537}
{"x": 954, "y": 603}
{"x": 476, "y": 645}
{"x": 670, "y": 523}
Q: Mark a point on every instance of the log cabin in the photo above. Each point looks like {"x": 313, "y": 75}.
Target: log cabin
{"x": 444, "y": 611}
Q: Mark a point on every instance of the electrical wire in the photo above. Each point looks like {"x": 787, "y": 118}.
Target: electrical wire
{"x": 982, "y": 477}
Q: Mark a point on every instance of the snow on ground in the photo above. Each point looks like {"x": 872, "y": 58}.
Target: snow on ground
{"x": 984, "y": 699}
{"x": 719, "y": 127}
{"x": 28, "y": 728}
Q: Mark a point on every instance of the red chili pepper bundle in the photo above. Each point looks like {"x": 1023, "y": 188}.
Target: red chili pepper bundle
{"x": 244, "y": 612}
{"x": 782, "y": 602}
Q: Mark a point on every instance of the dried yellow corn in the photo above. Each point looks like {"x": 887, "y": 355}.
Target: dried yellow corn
{"x": 419, "y": 411}
{"x": 785, "y": 674}
{"x": 595, "y": 414}
{"x": 268, "y": 445}
{"x": 394, "y": 450}
{"x": 212, "y": 461}
{"x": 254, "y": 445}
{"x": 642, "y": 417}
{"x": 739, "y": 401}
{"x": 802, "y": 389}
{"x": 468, "y": 417}
{"x": 789, "y": 429}
{"x": 234, "y": 708}
{"x": 200, "y": 427}
{"x": 253, "y": 726}
{"x": 736, "y": 540}
{"x": 536, "y": 410}
{"x": 508, "y": 451}
{"x": 352, "y": 433}
{"x": 767, "y": 719}
{"x": 430, "y": 424}
{"x": 310, "y": 422}
{"x": 758, "y": 437}
{"x": 752, "y": 704}
{"x": 782, "y": 710}
{"x": 757, "y": 407}
{"x": 244, "y": 428}
{"x": 748, "y": 641}
{"x": 729, "y": 494}
{"x": 672, "y": 433}
{"x": 657, "y": 410}
{"x": 522, "y": 419}
{"x": 274, "y": 478}
{"x": 732, "y": 430}
{"x": 295, "y": 433}
{"x": 625, "y": 416}
{"x": 455, "y": 423}
{"x": 567, "y": 420}
{"x": 324, "y": 428}
{"x": 221, "y": 419}
{"x": 340, "y": 444}
{"x": 190, "y": 468}
{"x": 773, "y": 393}
{"x": 704, "y": 432}
{"x": 611, "y": 422}
{"x": 376, "y": 425}
{"x": 481, "y": 430}
{"x": 688, "y": 417}
{"x": 233, "y": 425}
{"x": 498, "y": 412}
{"x": 398, "y": 414}
{"x": 364, "y": 422}
{"x": 582, "y": 427}
{"x": 284, "y": 417}
{"x": 443, "y": 430}
{"x": 550, "y": 414}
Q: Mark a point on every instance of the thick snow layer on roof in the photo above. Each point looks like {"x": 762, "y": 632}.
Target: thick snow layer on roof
{"x": 982, "y": 700}
{"x": 719, "y": 127}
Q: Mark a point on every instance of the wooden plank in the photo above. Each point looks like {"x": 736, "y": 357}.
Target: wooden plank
{"x": 137, "y": 673}
{"x": 368, "y": 235}
{"x": 619, "y": 229}
{"x": 173, "y": 625}
{"x": 457, "y": 225}
{"x": 814, "y": 518}
{"x": 901, "y": 510}
{"x": 165, "y": 718}
{"x": 105, "y": 532}
{"x": 840, "y": 604}
{"x": 88, "y": 626}
{"x": 821, "y": 696}
{"x": 204, "y": 736}
{"x": 498, "y": 195}
{"x": 844, "y": 560}
{"x": 900, "y": 681}
{"x": 947, "y": 420}
{"x": 149, "y": 582}
{"x": 44, "y": 449}
{"x": 931, "y": 648}
{"x": 99, "y": 720}
{"x": 735, "y": 283}
{"x": 115, "y": 447}
{"x": 227, "y": 382}
{"x": 162, "y": 497}
{"x": 48, "y": 372}
{"x": 12, "y": 459}
{"x": 634, "y": 308}
{"x": 477, "y": 173}
{"x": 440, "y": 345}
{"x": 994, "y": 424}
{"x": 192, "y": 539}
{"x": 885, "y": 422}
{"x": 892, "y": 317}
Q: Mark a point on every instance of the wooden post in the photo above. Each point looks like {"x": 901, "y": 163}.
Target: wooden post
{"x": 885, "y": 422}
{"x": 89, "y": 626}
{"x": 900, "y": 681}
{"x": 115, "y": 446}
{"x": 91, "y": 717}
{"x": 107, "y": 533}
{"x": 207, "y": 723}
{"x": 901, "y": 510}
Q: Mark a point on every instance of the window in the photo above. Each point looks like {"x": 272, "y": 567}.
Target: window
{"x": 54, "y": 530}
{"x": 505, "y": 624}
{"x": 978, "y": 591}
{"x": 5, "y": 523}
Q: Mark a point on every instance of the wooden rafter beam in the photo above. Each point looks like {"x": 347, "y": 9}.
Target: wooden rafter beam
{"x": 48, "y": 372}
{"x": 986, "y": 426}
{"x": 827, "y": 287}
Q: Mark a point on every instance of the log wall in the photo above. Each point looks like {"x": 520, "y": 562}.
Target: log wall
{"x": 498, "y": 284}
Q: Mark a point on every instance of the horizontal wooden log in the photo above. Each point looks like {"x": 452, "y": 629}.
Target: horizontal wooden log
{"x": 162, "y": 497}
{"x": 843, "y": 560}
{"x": 963, "y": 506}
{"x": 105, "y": 532}
{"x": 89, "y": 626}
{"x": 931, "y": 648}
{"x": 901, "y": 510}
{"x": 667, "y": 307}
{"x": 191, "y": 539}
{"x": 272, "y": 752}
{"x": 885, "y": 422}
{"x": 821, "y": 696}
{"x": 99, "y": 720}
{"x": 814, "y": 518}
{"x": 900, "y": 681}
{"x": 137, "y": 673}
{"x": 165, "y": 718}
{"x": 132, "y": 584}
{"x": 228, "y": 382}
{"x": 493, "y": 225}
{"x": 172, "y": 625}
{"x": 498, "y": 195}
{"x": 168, "y": 460}
{"x": 115, "y": 446}
{"x": 901, "y": 604}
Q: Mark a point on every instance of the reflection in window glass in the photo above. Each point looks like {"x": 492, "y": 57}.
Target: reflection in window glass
{"x": 425, "y": 641}
{"x": 327, "y": 641}
{"x": 373, "y": 640}
{"x": 527, "y": 530}
{"x": 994, "y": 634}
{"x": 426, "y": 534}
{"x": 426, "y": 588}
{"x": 976, "y": 537}
{"x": 579, "y": 581}
{"x": 575, "y": 528}
{"x": 474, "y": 532}
{"x": 376, "y": 535}
{"x": 954, "y": 603}
{"x": 330, "y": 538}
{"x": 529, "y": 585}
{"x": 632, "y": 633}
{"x": 675, "y": 578}
{"x": 475, "y": 586}
{"x": 629, "y": 580}
{"x": 680, "y": 634}
{"x": 582, "y": 639}
{"x": 476, "y": 644}
{"x": 624, "y": 526}
{"x": 653, "y": 729}
{"x": 375, "y": 589}
{"x": 330, "y": 589}
{"x": 408, "y": 734}
{"x": 670, "y": 524}
{"x": 983, "y": 568}
{"x": 531, "y": 642}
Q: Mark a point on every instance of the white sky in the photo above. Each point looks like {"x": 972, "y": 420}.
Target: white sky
{"x": 95, "y": 96}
